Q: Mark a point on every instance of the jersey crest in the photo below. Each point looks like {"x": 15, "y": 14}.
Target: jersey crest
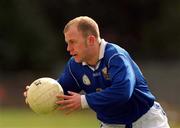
{"x": 86, "y": 80}
{"x": 105, "y": 73}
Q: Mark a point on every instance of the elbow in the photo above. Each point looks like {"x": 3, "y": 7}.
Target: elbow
{"x": 124, "y": 98}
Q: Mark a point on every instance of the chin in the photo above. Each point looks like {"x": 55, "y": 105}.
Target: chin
{"x": 77, "y": 60}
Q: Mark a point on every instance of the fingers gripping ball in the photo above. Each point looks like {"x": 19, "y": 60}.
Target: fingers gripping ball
{"x": 41, "y": 95}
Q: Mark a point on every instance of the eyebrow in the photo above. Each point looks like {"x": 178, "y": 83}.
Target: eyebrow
{"x": 71, "y": 40}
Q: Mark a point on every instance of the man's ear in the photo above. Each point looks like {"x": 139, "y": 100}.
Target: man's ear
{"x": 91, "y": 40}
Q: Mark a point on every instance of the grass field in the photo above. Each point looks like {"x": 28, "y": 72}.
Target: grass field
{"x": 23, "y": 118}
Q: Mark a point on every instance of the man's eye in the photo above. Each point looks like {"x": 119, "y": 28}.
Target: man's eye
{"x": 71, "y": 42}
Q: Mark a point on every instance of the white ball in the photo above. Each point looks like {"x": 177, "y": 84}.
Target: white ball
{"x": 41, "y": 95}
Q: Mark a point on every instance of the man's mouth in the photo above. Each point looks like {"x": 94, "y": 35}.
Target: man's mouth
{"x": 73, "y": 55}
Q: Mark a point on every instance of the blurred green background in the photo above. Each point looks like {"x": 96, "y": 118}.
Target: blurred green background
{"x": 18, "y": 118}
{"x": 32, "y": 46}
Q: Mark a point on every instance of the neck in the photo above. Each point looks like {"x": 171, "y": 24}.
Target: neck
{"x": 94, "y": 57}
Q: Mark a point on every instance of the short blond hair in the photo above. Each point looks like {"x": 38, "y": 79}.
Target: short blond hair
{"x": 84, "y": 24}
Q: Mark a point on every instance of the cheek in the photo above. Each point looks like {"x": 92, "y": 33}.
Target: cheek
{"x": 81, "y": 48}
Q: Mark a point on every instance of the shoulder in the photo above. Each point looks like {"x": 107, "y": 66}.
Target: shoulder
{"x": 112, "y": 48}
{"x": 113, "y": 51}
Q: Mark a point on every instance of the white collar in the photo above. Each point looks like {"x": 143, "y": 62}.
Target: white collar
{"x": 101, "y": 55}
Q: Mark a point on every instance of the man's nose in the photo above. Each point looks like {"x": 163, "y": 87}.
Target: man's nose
{"x": 69, "y": 48}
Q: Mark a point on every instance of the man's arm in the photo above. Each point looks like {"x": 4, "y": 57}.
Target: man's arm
{"x": 123, "y": 82}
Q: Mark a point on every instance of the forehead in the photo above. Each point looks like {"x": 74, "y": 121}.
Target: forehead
{"x": 72, "y": 33}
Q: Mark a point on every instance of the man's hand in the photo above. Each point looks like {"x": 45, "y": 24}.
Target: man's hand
{"x": 71, "y": 102}
{"x": 25, "y": 94}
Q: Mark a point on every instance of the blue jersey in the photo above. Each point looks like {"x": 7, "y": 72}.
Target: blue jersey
{"x": 116, "y": 90}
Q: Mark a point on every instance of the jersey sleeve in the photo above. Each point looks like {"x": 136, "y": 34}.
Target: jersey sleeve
{"x": 123, "y": 81}
{"x": 68, "y": 81}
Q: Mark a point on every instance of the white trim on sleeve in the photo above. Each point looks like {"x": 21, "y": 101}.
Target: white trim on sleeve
{"x": 84, "y": 103}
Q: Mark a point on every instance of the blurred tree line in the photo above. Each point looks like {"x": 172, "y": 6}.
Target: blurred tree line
{"x": 31, "y": 35}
